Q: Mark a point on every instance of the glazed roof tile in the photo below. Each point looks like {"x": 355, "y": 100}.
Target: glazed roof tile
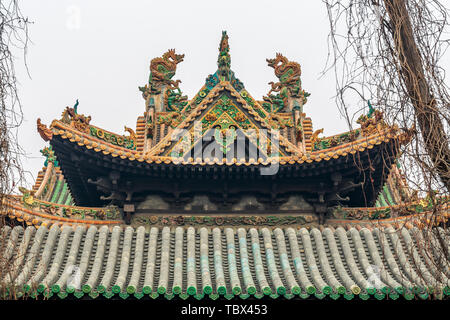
{"x": 222, "y": 262}
{"x": 67, "y": 132}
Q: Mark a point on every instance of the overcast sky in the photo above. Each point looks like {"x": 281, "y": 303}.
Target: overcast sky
{"x": 99, "y": 52}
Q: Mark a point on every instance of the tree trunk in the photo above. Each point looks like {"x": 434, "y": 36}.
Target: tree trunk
{"x": 425, "y": 106}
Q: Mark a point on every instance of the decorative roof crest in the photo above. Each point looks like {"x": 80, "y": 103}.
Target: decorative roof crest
{"x": 289, "y": 87}
{"x": 162, "y": 70}
{"x": 71, "y": 117}
{"x": 224, "y": 59}
{"x": 224, "y": 72}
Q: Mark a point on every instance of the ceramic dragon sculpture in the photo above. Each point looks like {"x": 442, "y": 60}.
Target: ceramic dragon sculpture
{"x": 74, "y": 119}
{"x": 174, "y": 100}
{"x": 315, "y": 137}
{"x": 44, "y": 132}
{"x": 289, "y": 85}
{"x": 162, "y": 70}
{"x": 132, "y": 133}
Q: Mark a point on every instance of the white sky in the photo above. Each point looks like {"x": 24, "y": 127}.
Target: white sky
{"x": 99, "y": 52}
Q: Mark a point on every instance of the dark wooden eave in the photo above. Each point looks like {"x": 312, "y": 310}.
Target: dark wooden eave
{"x": 81, "y": 165}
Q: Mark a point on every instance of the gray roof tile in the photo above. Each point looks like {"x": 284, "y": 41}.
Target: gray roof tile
{"x": 189, "y": 261}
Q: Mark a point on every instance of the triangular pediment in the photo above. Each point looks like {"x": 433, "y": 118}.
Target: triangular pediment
{"x": 225, "y": 114}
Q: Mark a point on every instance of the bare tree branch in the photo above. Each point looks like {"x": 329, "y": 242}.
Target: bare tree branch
{"x": 388, "y": 51}
{"x": 13, "y": 39}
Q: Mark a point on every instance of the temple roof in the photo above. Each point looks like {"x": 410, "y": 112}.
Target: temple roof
{"x": 284, "y": 262}
{"x": 360, "y": 251}
{"x": 222, "y": 125}
{"x": 222, "y": 104}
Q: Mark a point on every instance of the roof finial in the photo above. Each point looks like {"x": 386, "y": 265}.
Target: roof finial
{"x": 224, "y": 60}
{"x": 224, "y": 72}
{"x": 224, "y": 47}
